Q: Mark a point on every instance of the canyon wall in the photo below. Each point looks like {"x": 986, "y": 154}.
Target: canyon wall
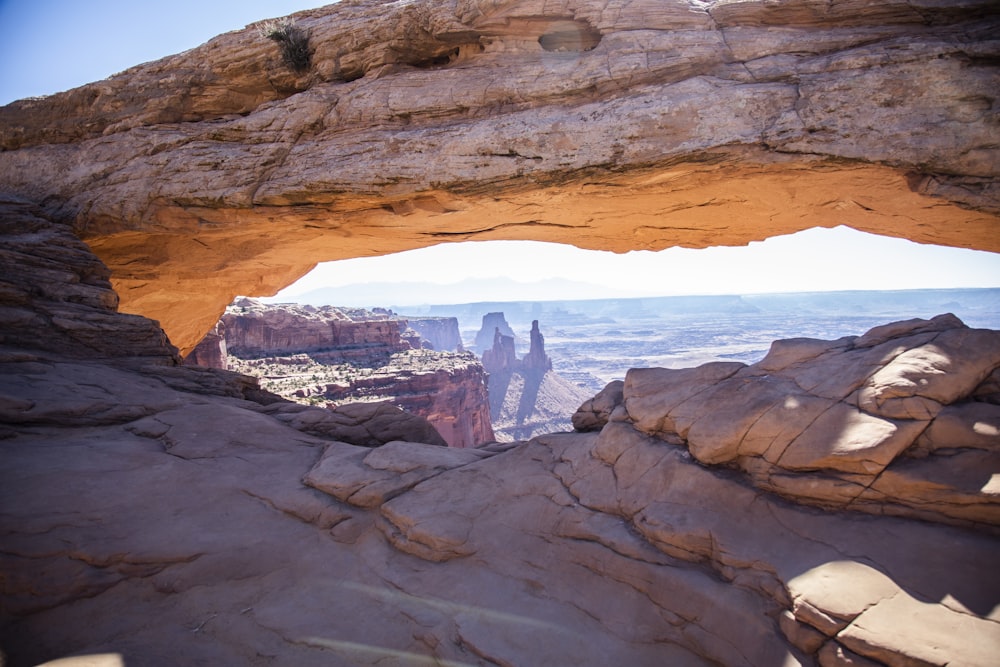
{"x": 222, "y": 171}
{"x": 331, "y": 356}
{"x": 449, "y": 390}
{"x": 211, "y": 351}
{"x": 441, "y": 332}
{"x": 253, "y": 329}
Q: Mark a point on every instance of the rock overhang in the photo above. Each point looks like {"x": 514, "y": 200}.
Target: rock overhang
{"x": 220, "y": 172}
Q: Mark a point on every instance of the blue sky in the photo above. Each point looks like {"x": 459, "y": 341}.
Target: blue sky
{"x": 54, "y": 45}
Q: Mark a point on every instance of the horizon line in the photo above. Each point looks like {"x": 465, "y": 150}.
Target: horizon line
{"x": 637, "y": 297}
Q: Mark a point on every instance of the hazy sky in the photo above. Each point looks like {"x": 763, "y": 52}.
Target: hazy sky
{"x": 54, "y": 45}
{"x": 813, "y": 260}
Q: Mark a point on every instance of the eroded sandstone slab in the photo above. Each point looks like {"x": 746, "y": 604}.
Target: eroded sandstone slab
{"x": 850, "y": 423}
{"x": 180, "y": 522}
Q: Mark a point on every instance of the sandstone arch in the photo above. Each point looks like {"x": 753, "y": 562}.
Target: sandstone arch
{"x": 221, "y": 171}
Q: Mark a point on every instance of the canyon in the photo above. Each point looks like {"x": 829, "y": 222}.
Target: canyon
{"x": 832, "y": 503}
{"x": 332, "y": 356}
{"x": 329, "y": 356}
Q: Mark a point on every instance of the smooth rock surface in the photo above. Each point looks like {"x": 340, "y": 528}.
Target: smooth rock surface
{"x": 359, "y": 424}
{"x": 846, "y": 423}
{"x": 155, "y": 515}
{"x": 158, "y": 513}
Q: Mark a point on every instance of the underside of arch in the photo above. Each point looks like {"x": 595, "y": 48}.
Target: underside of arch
{"x": 222, "y": 171}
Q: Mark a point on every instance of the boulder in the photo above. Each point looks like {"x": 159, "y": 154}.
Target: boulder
{"x": 359, "y": 424}
{"x": 595, "y": 412}
{"x": 847, "y": 417}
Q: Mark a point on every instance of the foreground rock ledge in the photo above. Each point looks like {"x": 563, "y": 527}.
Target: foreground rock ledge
{"x": 164, "y": 514}
{"x": 640, "y": 125}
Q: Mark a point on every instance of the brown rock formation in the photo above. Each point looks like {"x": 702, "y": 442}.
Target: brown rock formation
{"x": 501, "y": 358}
{"x": 339, "y": 355}
{"x": 253, "y": 329}
{"x": 153, "y": 511}
{"x": 211, "y": 351}
{"x": 55, "y": 295}
{"x": 595, "y": 412}
{"x": 526, "y": 397}
{"x": 892, "y": 422}
{"x": 448, "y": 389}
{"x": 440, "y": 332}
{"x": 668, "y": 123}
{"x": 536, "y": 362}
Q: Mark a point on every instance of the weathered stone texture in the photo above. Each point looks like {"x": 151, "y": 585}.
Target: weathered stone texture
{"x": 131, "y": 492}
{"x": 855, "y": 420}
{"x": 640, "y": 125}
{"x": 153, "y": 510}
{"x": 371, "y": 356}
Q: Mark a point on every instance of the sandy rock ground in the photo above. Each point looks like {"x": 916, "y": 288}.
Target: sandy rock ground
{"x": 162, "y": 514}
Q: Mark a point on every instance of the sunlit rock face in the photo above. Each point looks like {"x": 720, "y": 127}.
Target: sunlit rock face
{"x": 639, "y": 125}
{"x": 845, "y": 424}
{"x": 130, "y": 483}
{"x": 253, "y": 329}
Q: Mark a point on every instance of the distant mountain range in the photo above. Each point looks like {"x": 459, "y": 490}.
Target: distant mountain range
{"x": 469, "y": 300}
{"x": 368, "y": 295}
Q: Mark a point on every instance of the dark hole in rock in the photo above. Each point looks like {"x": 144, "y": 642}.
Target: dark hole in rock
{"x": 448, "y": 57}
{"x": 437, "y": 61}
{"x": 570, "y": 36}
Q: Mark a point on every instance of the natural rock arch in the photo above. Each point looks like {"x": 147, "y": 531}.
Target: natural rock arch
{"x": 222, "y": 171}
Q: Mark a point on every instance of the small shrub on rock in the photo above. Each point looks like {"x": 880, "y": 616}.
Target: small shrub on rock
{"x": 294, "y": 42}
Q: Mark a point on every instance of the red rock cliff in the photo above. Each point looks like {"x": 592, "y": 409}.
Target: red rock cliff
{"x": 254, "y": 329}
{"x": 340, "y": 355}
{"x": 447, "y": 389}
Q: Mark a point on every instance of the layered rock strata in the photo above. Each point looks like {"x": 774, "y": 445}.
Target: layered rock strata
{"x": 904, "y": 419}
{"x": 335, "y": 356}
{"x": 153, "y": 512}
{"x": 675, "y": 123}
{"x": 55, "y": 295}
{"x": 253, "y": 330}
{"x": 447, "y": 389}
{"x": 441, "y": 333}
